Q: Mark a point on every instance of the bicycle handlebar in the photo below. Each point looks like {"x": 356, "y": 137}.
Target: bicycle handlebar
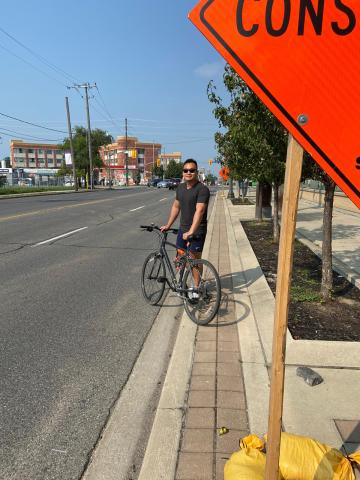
{"x": 151, "y": 228}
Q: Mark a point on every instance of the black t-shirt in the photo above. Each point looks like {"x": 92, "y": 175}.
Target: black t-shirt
{"x": 188, "y": 198}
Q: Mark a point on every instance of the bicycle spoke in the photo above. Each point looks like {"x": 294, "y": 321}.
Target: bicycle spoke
{"x": 202, "y": 284}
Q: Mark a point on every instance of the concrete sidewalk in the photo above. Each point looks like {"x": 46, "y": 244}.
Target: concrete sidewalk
{"x": 219, "y": 374}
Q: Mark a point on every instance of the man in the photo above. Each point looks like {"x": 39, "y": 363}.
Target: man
{"x": 192, "y": 199}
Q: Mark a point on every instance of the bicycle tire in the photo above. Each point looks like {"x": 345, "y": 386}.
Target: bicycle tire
{"x": 209, "y": 291}
{"x": 152, "y": 269}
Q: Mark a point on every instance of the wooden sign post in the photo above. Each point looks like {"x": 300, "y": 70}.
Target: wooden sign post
{"x": 294, "y": 162}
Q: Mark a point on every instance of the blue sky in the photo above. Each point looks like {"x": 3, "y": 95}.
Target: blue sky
{"x": 150, "y": 63}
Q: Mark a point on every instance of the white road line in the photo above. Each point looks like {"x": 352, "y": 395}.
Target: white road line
{"x": 138, "y": 208}
{"x": 165, "y": 198}
{"x": 60, "y": 236}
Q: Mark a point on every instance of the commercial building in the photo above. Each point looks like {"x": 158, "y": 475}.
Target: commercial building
{"x": 165, "y": 158}
{"x": 142, "y": 157}
{"x": 35, "y": 155}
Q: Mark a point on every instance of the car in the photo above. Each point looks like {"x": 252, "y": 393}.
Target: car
{"x": 153, "y": 182}
{"x": 25, "y": 182}
{"x": 163, "y": 183}
{"x": 174, "y": 183}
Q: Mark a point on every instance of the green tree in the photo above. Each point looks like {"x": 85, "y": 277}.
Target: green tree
{"x": 158, "y": 171}
{"x": 313, "y": 171}
{"x": 174, "y": 169}
{"x": 252, "y": 142}
{"x": 64, "y": 170}
{"x": 210, "y": 179}
{"x": 98, "y": 138}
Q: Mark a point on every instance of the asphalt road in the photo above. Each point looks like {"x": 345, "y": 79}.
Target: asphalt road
{"x": 72, "y": 321}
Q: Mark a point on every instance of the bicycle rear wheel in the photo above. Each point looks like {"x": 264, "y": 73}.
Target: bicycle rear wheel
{"x": 202, "y": 291}
{"x": 153, "y": 270}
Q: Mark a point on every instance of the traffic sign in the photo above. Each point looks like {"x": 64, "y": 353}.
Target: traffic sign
{"x": 301, "y": 58}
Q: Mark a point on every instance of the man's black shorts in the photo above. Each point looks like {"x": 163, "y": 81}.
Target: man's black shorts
{"x": 197, "y": 243}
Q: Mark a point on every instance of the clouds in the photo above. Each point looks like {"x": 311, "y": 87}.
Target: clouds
{"x": 210, "y": 70}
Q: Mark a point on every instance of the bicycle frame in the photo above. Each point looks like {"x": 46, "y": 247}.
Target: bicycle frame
{"x": 186, "y": 259}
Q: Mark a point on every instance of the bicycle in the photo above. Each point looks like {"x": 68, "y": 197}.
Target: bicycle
{"x": 196, "y": 281}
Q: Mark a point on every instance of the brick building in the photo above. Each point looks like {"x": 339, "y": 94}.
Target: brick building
{"x": 141, "y": 162}
{"x": 35, "y": 155}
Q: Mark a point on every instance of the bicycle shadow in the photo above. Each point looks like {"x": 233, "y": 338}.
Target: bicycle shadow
{"x": 227, "y": 314}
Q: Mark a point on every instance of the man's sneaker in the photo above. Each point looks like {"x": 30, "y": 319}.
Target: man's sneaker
{"x": 193, "y": 295}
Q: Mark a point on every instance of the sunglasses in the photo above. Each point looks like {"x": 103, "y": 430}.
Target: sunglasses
{"x": 189, "y": 170}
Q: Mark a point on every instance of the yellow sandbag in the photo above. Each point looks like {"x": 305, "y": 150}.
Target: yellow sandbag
{"x": 248, "y": 463}
{"x": 302, "y": 458}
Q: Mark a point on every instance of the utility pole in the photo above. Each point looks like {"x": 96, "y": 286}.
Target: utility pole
{"x": 109, "y": 168}
{"x": 126, "y": 153}
{"x": 153, "y": 165}
{"x": 86, "y": 86}
{"x": 71, "y": 143}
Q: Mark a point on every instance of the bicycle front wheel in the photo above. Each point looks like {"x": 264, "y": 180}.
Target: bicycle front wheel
{"x": 153, "y": 278}
{"x": 202, "y": 291}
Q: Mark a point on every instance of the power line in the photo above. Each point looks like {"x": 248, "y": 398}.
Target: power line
{"x": 33, "y": 124}
{"x": 41, "y": 58}
{"x": 30, "y": 137}
{"x": 31, "y": 65}
{"x": 105, "y": 107}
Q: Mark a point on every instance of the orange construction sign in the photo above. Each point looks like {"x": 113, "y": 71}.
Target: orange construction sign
{"x": 301, "y": 57}
{"x": 224, "y": 173}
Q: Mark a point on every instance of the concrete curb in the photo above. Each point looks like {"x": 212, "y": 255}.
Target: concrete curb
{"x": 256, "y": 378}
{"x": 307, "y": 411}
{"x": 113, "y": 455}
{"x": 162, "y": 451}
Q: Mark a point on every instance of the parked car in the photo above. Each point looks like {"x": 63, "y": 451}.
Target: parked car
{"x": 25, "y": 182}
{"x": 174, "y": 183}
{"x": 163, "y": 183}
{"x": 154, "y": 182}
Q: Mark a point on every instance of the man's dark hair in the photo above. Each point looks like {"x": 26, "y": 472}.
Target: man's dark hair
{"x": 191, "y": 160}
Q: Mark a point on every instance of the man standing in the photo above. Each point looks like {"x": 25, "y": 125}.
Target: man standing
{"x": 192, "y": 199}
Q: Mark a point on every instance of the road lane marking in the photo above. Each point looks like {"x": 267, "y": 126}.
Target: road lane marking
{"x": 165, "y": 198}
{"x": 55, "y": 209}
{"x": 138, "y": 208}
{"x": 59, "y": 236}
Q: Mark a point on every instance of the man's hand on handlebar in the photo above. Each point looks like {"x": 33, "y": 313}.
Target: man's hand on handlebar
{"x": 164, "y": 228}
{"x": 186, "y": 235}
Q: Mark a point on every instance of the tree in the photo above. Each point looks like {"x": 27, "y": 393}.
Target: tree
{"x": 210, "y": 179}
{"x": 64, "y": 170}
{"x": 174, "y": 169}
{"x": 312, "y": 170}
{"x": 158, "y": 171}
{"x": 254, "y": 142}
{"x": 98, "y": 138}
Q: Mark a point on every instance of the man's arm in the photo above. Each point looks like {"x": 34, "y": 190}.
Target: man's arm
{"x": 198, "y": 215}
{"x": 174, "y": 212}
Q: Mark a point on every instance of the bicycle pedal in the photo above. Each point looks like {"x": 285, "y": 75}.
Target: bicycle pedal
{"x": 161, "y": 279}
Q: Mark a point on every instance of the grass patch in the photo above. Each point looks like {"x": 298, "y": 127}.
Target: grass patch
{"x": 306, "y": 288}
{"x": 14, "y": 190}
{"x": 304, "y": 294}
